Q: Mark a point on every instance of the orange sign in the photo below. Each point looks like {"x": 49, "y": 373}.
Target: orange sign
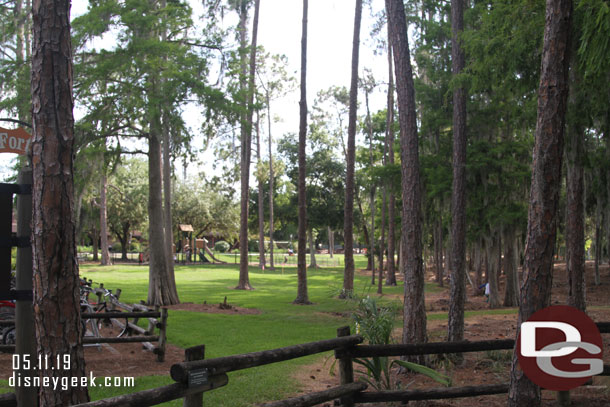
{"x": 14, "y": 141}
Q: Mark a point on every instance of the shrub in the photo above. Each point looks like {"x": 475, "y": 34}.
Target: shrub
{"x": 253, "y": 246}
{"x": 375, "y": 324}
{"x": 222, "y": 246}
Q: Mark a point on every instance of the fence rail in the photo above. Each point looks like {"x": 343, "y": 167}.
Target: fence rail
{"x": 180, "y": 371}
{"x": 431, "y": 394}
{"x": 365, "y": 351}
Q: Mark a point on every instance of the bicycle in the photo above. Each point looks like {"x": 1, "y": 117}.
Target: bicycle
{"x": 7, "y": 313}
{"x": 108, "y": 305}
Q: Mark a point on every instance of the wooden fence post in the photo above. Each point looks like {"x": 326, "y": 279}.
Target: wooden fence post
{"x": 162, "y": 335}
{"x": 194, "y": 353}
{"x": 346, "y": 368}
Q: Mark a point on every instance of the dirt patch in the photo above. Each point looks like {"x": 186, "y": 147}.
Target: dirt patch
{"x": 439, "y": 299}
{"x": 214, "y": 309}
{"x": 480, "y": 368}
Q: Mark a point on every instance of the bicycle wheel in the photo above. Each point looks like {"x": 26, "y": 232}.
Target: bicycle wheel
{"x": 9, "y": 336}
{"x": 7, "y": 313}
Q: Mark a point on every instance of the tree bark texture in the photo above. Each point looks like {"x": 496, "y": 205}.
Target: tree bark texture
{"x": 598, "y": 240}
{"x": 371, "y": 257}
{"x": 331, "y": 242}
{"x": 56, "y": 284}
{"x": 546, "y": 183}
{"x": 458, "y": 196}
{"x": 348, "y": 217}
{"x": 261, "y": 202}
{"x": 391, "y": 272}
{"x": 95, "y": 237}
{"x": 246, "y": 145}
{"x": 312, "y": 249}
{"x": 104, "y": 218}
{"x": 493, "y": 253}
{"x": 382, "y": 240}
{"x": 124, "y": 239}
{"x": 271, "y": 188}
{"x": 167, "y": 184}
{"x": 575, "y": 205}
{"x": 414, "y": 323}
{"x": 167, "y": 204}
{"x": 302, "y": 295}
{"x": 161, "y": 287}
{"x": 371, "y": 242}
{"x": 438, "y": 248}
{"x": 511, "y": 292}
{"x": 161, "y": 291}
{"x": 478, "y": 267}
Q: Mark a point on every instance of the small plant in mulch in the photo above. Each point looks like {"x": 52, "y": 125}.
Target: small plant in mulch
{"x": 225, "y": 305}
{"x": 375, "y": 324}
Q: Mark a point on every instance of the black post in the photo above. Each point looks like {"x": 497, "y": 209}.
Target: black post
{"x": 25, "y": 334}
{"x": 6, "y": 223}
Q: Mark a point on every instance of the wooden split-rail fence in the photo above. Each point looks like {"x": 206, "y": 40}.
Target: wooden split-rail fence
{"x": 197, "y": 375}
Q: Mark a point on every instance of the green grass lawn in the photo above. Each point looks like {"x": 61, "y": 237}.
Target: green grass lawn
{"x": 279, "y": 323}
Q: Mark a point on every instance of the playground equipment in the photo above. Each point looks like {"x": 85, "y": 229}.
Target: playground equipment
{"x": 193, "y": 249}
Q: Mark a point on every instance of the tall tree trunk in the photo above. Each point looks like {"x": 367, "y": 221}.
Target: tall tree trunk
{"x": 56, "y": 284}
{"x": 104, "y": 218}
{"x": 95, "y": 243}
{"x": 348, "y": 218}
{"x": 246, "y": 145}
{"x": 478, "y": 264}
{"x": 125, "y": 241}
{"x": 606, "y": 214}
{"x": 440, "y": 271}
{"x": 391, "y": 273}
{"x": 511, "y": 292}
{"x": 458, "y": 196}
{"x": 575, "y": 206}
{"x": 331, "y": 242}
{"x": 598, "y": 240}
{"x": 494, "y": 264}
{"x": 161, "y": 285}
{"x": 414, "y": 323}
{"x": 167, "y": 184}
{"x": 312, "y": 250}
{"x": 367, "y": 238}
{"x": 271, "y": 186}
{"x": 381, "y": 241}
{"x": 167, "y": 204}
{"x": 493, "y": 252}
{"x": 373, "y": 187}
{"x": 546, "y": 183}
{"x": 302, "y": 295}
{"x": 261, "y": 201}
{"x": 371, "y": 242}
{"x": 161, "y": 291}
{"x": 436, "y": 249}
